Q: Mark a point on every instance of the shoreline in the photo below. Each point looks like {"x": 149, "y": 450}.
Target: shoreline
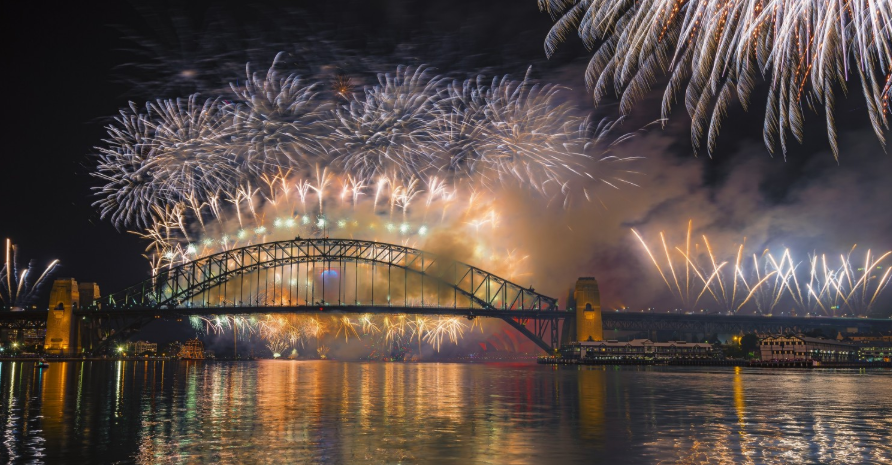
{"x": 715, "y": 363}
{"x": 540, "y": 361}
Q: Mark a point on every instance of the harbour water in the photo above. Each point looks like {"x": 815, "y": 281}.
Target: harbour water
{"x": 350, "y": 412}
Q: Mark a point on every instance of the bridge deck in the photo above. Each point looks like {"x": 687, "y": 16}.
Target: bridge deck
{"x": 630, "y": 321}
{"x": 330, "y": 309}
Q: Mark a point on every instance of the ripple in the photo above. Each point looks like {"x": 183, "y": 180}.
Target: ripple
{"x": 312, "y": 412}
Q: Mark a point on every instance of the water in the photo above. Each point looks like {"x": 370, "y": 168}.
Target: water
{"x": 335, "y": 412}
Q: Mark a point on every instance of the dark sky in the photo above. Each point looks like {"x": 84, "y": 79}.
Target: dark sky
{"x": 64, "y": 81}
{"x": 66, "y": 75}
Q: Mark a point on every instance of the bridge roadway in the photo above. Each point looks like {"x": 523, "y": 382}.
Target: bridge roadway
{"x": 621, "y": 321}
{"x": 725, "y": 324}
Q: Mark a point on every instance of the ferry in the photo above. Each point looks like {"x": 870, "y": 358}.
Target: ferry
{"x": 40, "y": 364}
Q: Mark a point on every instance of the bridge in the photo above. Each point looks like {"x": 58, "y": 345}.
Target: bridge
{"x": 329, "y": 276}
{"x": 333, "y": 276}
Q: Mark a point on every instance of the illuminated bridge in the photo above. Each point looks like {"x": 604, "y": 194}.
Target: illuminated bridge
{"x": 353, "y": 276}
{"x": 330, "y": 276}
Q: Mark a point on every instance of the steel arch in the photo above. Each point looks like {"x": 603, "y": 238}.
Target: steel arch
{"x": 171, "y": 288}
{"x": 174, "y": 291}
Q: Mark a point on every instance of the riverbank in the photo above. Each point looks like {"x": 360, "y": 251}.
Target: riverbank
{"x": 82, "y": 359}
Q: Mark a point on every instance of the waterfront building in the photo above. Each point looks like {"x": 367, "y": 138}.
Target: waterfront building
{"x": 637, "y": 349}
{"x": 33, "y": 337}
{"x": 172, "y": 349}
{"x": 875, "y": 351}
{"x": 879, "y": 337}
{"x": 192, "y": 349}
{"x": 143, "y": 347}
{"x": 798, "y": 347}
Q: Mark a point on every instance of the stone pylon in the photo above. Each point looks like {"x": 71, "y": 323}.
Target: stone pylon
{"x": 588, "y": 310}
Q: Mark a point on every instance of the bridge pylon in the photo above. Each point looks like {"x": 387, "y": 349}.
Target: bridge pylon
{"x": 67, "y": 333}
{"x": 588, "y": 310}
{"x": 64, "y": 300}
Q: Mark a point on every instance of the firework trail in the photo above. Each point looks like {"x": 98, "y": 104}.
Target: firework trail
{"x": 17, "y": 290}
{"x": 716, "y": 51}
{"x": 765, "y": 281}
{"x": 404, "y": 158}
{"x": 181, "y": 157}
{"x": 407, "y": 157}
{"x": 297, "y": 332}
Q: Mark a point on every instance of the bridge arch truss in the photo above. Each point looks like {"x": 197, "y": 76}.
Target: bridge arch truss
{"x": 338, "y": 275}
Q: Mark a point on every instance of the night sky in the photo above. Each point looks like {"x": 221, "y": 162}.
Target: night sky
{"x": 68, "y": 82}
{"x": 70, "y": 67}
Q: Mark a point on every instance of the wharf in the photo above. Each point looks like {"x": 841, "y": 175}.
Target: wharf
{"x": 711, "y": 362}
{"x": 641, "y": 361}
{"x": 816, "y": 364}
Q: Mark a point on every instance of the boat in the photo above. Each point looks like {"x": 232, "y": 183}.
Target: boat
{"x": 41, "y": 364}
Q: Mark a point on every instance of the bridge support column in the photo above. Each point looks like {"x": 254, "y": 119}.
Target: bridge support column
{"x": 86, "y": 328}
{"x": 64, "y": 299}
{"x": 588, "y": 310}
{"x": 67, "y": 333}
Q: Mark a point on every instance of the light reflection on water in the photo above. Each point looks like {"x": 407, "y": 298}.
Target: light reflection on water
{"x": 283, "y": 411}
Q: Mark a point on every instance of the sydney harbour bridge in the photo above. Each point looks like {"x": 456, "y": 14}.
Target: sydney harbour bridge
{"x": 330, "y": 276}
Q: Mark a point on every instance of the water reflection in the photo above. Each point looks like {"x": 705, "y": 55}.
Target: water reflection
{"x": 310, "y": 412}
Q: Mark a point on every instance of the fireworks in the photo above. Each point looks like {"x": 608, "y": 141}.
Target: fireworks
{"x": 763, "y": 281}
{"x": 183, "y": 156}
{"x": 406, "y": 158}
{"x": 16, "y": 289}
{"x": 717, "y": 51}
{"x": 410, "y": 156}
{"x": 297, "y": 332}
{"x": 341, "y": 86}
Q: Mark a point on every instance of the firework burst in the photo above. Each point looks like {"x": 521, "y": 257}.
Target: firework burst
{"x": 716, "y": 52}
{"x": 694, "y": 271}
{"x": 17, "y": 290}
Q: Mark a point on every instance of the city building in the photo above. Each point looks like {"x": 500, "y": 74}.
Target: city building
{"x": 143, "y": 347}
{"x": 33, "y": 337}
{"x": 172, "y": 349}
{"x": 637, "y": 349}
{"x": 798, "y": 347}
{"x": 875, "y": 351}
{"x": 871, "y": 337}
{"x": 192, "y": 349}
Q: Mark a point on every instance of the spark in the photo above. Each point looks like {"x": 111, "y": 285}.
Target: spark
{"x": 715, "y": 52}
